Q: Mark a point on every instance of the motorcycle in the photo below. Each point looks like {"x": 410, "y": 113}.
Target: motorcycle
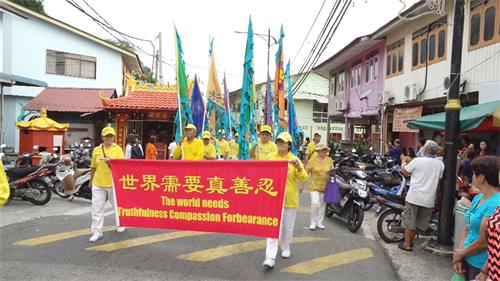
{"x": 75, "y": 180}
{"x": 350, "y": 207}
{"x": 30, "y": 183}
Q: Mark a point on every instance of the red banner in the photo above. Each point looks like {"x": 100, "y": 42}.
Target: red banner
{"x": 241, "y": 197}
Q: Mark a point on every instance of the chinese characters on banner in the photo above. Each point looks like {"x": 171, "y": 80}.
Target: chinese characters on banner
{"x": 241, "y": 197}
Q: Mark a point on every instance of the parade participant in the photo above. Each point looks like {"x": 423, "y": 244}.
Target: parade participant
{"x": 311, "y": 147}
{"x": 209, "y": 149}
{"x": 296, "y": 172}
{"x": 151, "y": 152}
{"x": 189, "y": 148}
{"x": 222, "y": 146}
{"x": 101, "y": 180}
{"x": 318, "y": 169}
{"x": 265, "y": 146}
{"x": 233, "y": 147}
{"x": 425, "y": 174}
{"x": 470, "y": 259}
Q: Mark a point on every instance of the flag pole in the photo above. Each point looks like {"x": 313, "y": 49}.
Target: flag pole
{"x": 178, "y": 91}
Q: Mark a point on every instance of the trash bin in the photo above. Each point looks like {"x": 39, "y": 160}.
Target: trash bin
{"x": 459, "y": 224}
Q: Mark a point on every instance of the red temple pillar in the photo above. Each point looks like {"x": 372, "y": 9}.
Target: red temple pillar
{"x": 121, "y": 128}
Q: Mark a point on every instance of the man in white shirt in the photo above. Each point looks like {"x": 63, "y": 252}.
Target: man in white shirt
{"x": 425, "y": 175}
{"x": 171, "y": 148}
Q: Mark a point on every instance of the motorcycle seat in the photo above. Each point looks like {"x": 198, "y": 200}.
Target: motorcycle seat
{"x": 19, "y": 172}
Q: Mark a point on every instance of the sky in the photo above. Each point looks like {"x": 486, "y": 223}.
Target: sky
{"x": 197, "y": 20}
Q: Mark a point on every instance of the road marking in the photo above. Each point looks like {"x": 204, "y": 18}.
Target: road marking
{"x": 239, "y": 248}
{"x": 129, "y": 243}
{"x": 367, "y": 231}
{"x": 327, "y": 262}
{"x": 58, "y": 237}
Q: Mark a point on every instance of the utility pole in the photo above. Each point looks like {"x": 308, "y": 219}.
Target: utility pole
{"x": 452, "y": 129}
{"x": 160, "y": 60}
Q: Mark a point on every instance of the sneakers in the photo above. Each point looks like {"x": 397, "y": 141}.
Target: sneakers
{"x": 120, "y": 229}
{"x": 312, "y": 227}
{"x": 269, "y": 263}
{"x": 96, "y": 236}
{"x": 285, "y": 254}
{"x": 320, "y": 226}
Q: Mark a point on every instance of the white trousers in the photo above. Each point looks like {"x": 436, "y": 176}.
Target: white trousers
{"x": 286, "y": 234}
{"x": 99, "y": 198}
{"x": 318, "y": 208}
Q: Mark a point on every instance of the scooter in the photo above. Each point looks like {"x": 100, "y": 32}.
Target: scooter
{"x": 350, "y": 207}
{"x": 30, "y": 183}
{"x": 75, "y": 183}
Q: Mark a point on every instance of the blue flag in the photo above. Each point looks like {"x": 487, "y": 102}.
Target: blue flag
{"x": 197, "y": 107}
{"x": 293, "y": 126}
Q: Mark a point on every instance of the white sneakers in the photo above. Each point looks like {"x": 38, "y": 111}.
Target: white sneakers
{"x": 320, "y": 226}
{"x": 96, "y": 236}
{"x": 285, "y": 254}
{"x": 269, "y": 263}
{"x": 312, "y": 227}
{"x": 120, "y": 229}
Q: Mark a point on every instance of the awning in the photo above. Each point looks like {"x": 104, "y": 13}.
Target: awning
{"x": 83, "y": 100}
{"x": 8, "y": 79}
{"x": 471, "y": 117}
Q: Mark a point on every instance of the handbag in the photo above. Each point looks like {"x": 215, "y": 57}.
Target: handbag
{"x": 457, "y": 277}
{"x": 332, "y": 191}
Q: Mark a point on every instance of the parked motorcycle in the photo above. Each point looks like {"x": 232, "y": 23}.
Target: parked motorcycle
{"x": 350, "y": 207}
{"x": 30, "y": 183}
{"x": 77, "y": 181}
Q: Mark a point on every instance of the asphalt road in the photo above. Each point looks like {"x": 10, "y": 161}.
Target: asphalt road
{"x": 51, "y": 243}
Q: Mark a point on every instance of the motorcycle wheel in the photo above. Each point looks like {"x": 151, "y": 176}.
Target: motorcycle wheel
{"x": 44, "y": 193}
{"x": 355, "y": 217}
{"x": 328, "y": 211}
{"x": 388, "y": 219}
{"x": 59, "y": 190}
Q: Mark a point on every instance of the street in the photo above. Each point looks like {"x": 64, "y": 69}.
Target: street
{"x": 51, "y": 243}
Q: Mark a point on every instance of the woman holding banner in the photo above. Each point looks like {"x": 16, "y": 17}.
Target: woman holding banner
{"x": 102, "y": 181}
{"x": 318, "y": 169}
{"x": 296, "y": 172}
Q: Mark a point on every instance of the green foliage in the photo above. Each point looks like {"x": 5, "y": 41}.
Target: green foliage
{"x": 360, "y": 149}
{"x": 35, "y": 5}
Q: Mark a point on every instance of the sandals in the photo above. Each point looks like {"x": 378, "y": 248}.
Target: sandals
{"x": 402, "y": 247}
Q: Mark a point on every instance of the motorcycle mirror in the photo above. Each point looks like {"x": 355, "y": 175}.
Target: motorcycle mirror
{"x": 371, "y": 148}
{"x": 54, "y": 149}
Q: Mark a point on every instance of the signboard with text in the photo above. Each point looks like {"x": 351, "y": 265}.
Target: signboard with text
{"x": 240, "y": 197}
{"x": 402, "y": 115}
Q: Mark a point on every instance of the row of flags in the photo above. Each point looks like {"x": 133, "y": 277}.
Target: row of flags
{"x": 215, "y": 114}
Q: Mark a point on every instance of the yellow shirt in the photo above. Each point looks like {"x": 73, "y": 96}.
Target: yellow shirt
{"x": 4, "y": 186}
{"x": 318, "y": 173}
{"x": 222, "y": 147}
{"x": 209, "y": 150}
{"x": 291, "y": 189}
{"x": 232, "y": 149}
{"x": 102, "y": 176}
{"x": 311, "y": 149}
{"x": 264, "y": 149}
{"x": 192, "y": 150}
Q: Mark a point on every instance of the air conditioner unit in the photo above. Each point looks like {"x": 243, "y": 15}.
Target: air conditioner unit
{"x": 411, "y": 93}
{"x": 386, "y": 98}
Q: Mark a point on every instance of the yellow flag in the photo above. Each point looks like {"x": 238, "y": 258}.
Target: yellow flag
{"x": 214, "y": 92}
{"x": 4, "y": 186}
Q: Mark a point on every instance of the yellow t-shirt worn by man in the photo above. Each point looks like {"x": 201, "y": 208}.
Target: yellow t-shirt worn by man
{"x": 102, "y": 176}
{"x": 311, "y": 150}
{"x": 222, "y": 147}
{"x": 192, "y": 150}
{"x": 291, "y": 189}
{"x": 209, "y": 150}
{"x": 264, "y": 149}
{"x": 232, "y": 149}
{"x": 319, "y": 175}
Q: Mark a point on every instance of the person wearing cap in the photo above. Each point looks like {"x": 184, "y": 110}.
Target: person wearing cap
{"x": 101, "y": 180}
{"x": 265, "y": 145}
{"x": 296, "y": 172}
{"x": 190, "y": 147}
{"x": 318, "y": 169}
{"x": 222, "y": 146}
{"x": 311, "y": 147}
{"x": 209, "y": 149}
{"x": 233, "y": 147}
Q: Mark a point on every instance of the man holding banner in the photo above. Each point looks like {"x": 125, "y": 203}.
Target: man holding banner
{"x": 189, "y": 148}
{"x": 296, "y": 172}
{"x": 209, "y": 149}
{"x": 265, "y": 146}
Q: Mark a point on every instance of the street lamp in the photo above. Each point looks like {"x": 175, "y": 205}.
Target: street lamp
{"x": 266, "y": 38}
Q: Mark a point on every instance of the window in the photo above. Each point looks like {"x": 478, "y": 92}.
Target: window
{"x": 425, "y": 46}
{"x": 341, "y": 83}
{"x": 375, "y": 69}
{"x": 67, "y": 64}
{"x": 484, "y": 23}
{"x": 395, "y": 58}
{"x": 334, "y": 85}
{"x": 367, "y": 72}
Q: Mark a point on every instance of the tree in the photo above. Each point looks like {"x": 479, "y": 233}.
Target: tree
{"x": 148, "y": 75}
{"x": 35, "y": 5}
